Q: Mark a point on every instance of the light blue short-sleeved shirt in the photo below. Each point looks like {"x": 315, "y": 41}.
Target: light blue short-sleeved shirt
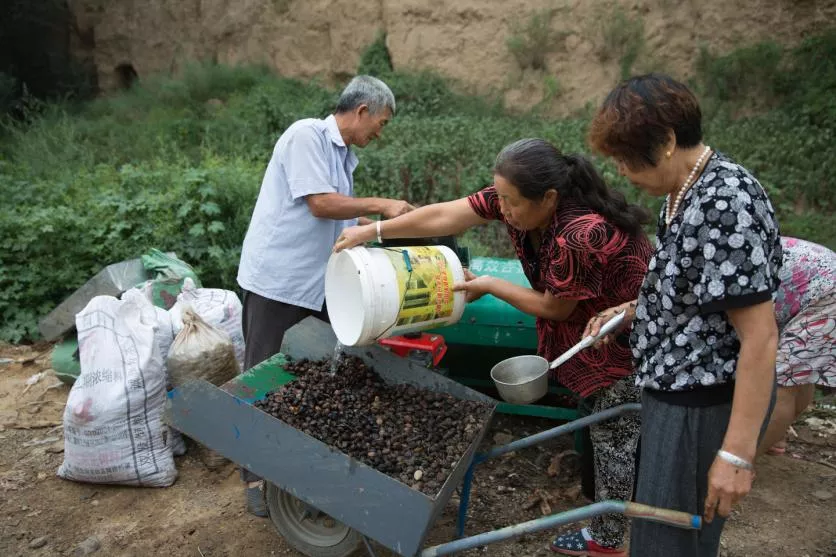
{"x": 286, "y": 248}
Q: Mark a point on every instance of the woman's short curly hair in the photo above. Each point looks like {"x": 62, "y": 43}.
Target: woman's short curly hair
{"x": 634, "y": 122}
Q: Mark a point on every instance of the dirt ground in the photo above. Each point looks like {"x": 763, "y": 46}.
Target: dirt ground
{"x": 790, "y": 512}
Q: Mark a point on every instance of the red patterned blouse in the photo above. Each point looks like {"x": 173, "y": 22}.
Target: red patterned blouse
{"x": 582, "y": 257}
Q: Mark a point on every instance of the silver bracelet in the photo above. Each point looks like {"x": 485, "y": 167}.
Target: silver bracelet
{"x": 379, "y": 238}
{"x": 735, "y": 460}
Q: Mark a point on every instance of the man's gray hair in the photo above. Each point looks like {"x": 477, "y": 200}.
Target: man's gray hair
{"x": 368, "y": 90}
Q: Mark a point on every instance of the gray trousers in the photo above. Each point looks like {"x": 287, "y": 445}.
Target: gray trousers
{"x": 678, "y": 446}
{"x": 265, "y": 322}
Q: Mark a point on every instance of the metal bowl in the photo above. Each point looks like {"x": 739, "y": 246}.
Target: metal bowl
{"x": 522, "y": 379}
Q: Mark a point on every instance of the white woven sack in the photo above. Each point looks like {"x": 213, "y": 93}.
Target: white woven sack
{"x": 164, "y": 337}
{"x": 113, "y": 428}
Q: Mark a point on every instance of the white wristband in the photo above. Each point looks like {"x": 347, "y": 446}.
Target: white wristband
{"x": 735, "y": 460}
{"x": 379, "y": 238}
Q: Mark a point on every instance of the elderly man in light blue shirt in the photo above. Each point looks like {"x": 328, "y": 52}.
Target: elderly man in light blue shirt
{"x": 305, "y": 201}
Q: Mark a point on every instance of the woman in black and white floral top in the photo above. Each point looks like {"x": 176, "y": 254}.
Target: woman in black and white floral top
{"x": 704, "y": 336}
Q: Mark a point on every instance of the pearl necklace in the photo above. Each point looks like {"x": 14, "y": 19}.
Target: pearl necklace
{"x": 670, "y": 211}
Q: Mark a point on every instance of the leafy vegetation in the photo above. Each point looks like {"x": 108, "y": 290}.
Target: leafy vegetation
{"x": 376, "y": 60}
{"x": 532, "y": 39}
{"x": 747, "y": 72}
{"x": 622, "y": 38}
{"x": 177, "y": 163}
{"x": 551, "y": 89}
{"x": 788, "y": 143}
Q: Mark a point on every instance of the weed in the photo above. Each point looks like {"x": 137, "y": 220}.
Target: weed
{"x": 622, "y": 38}
{"x": 531, "y": 40}
{"x": 552, "y": 88}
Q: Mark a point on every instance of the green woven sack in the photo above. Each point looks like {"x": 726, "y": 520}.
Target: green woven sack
{"x": 169, "y": 272}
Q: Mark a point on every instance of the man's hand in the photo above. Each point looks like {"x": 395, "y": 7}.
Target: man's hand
{"x": 599, "y": 320}
{"x": 727, "y": 484}
{"x": 354, "y": 236}
{"x": 336, "y": 206}
{"x": 474, "y": 287}
{"x": 395, "y": 208}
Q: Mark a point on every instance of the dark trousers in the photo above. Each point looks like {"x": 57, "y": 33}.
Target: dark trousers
{"x": 265, "y": 322}
{"x": 678, "y": 446}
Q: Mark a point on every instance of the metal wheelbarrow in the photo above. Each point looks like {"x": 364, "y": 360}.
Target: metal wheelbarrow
{"x": 327, "y": 504}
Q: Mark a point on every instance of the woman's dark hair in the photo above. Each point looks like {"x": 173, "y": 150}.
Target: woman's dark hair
{"x": 637, "y": 116}
{"x": 535, "y": 166}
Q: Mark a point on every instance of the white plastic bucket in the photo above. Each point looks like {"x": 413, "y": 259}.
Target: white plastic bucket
{"x": 371, "y": 293}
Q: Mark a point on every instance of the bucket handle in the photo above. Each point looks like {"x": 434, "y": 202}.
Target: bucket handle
{"x": 408, "y": 263}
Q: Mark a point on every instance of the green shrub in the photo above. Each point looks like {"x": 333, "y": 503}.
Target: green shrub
{"x": 532, "y": 39}
{"x": 783, "y": 152}
{"x": 763, "y": 75}
{"x": 427, "y": 94}
{"x": 622, "y": 38}
{"x": 810, "y": 80}
{"x": 86, "y": 185}
{"x": 788, "y": 146}
{"x": 375, "y": 60}
{"x": 168, "y": 119}
{"x": 68, "y": 231}
{"x": 746, "y": 73}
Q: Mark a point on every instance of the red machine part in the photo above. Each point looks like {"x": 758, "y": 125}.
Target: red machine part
{"x": 408, "y": 345}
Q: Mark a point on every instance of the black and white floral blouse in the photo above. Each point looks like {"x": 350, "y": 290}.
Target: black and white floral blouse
{"x": 722, "y": 251}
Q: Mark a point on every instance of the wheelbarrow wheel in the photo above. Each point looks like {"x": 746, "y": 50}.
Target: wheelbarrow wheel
{"x": 308, "y": 530}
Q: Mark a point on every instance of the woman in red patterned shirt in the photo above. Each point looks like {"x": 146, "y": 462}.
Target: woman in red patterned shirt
{"x": 582, "y": 248}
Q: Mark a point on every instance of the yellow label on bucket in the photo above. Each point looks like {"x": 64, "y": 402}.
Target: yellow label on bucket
{"x": 426, "y": 291}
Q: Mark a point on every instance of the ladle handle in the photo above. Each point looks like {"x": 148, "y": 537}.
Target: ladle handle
{"x": 610, "y": 325}
{"x": 588, "y": 341}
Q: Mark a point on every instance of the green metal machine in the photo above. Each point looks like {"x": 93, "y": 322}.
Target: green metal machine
{"x": 490, "y": 321}
{"x": 489, "y": 331}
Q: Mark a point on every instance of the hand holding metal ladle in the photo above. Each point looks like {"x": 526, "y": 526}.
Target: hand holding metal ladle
{"x": 601, "y": 318}
{"x": 591, "y": 337}
{"x": 524, "y": 379}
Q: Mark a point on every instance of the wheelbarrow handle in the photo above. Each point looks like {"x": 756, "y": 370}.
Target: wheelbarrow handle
{"x": 643, "y": 512}
{"x": 665, "y": 516}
